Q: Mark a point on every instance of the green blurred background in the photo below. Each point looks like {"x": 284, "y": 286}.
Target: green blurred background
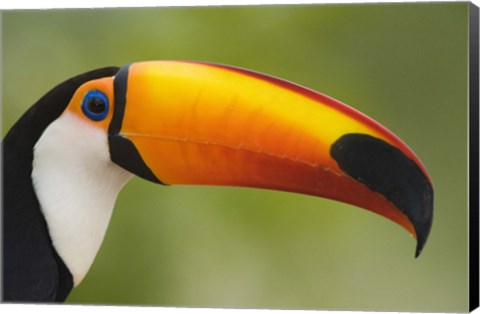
{"x": 405, "y": 65}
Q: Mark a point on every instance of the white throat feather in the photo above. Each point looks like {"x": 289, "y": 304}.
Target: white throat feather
{"x": 77, "y": 185}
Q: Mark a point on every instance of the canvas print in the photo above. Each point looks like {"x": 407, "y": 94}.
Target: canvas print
{"x": 275, "y": 156}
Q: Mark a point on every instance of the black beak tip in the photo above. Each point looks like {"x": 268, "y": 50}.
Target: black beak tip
{"x": 387, "y": 170}
{"x": 421, "y": 240}
{"x": 423, "y": 224}
{"x": 419, "y": 249}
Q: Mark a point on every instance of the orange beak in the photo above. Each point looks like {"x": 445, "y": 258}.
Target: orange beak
{"x": 186, "y": 122}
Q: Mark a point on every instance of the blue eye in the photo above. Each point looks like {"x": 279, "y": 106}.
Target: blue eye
{"x": 95, "y": 105}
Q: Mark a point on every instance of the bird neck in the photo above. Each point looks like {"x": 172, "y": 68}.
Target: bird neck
{"x": 32, "y": 269}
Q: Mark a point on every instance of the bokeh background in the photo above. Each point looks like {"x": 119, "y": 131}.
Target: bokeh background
{"x": 405, "y": 65}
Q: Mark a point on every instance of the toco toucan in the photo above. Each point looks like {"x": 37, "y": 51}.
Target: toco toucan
{"x": 183, "y": 122}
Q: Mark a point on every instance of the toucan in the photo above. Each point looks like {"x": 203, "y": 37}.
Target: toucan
{"x": 183, "y": 122}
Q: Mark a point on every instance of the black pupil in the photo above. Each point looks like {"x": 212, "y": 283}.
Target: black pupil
{"x": 96, "y": 105}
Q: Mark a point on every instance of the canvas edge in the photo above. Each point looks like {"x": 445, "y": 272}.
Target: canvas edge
{"x": 474, "y": 156}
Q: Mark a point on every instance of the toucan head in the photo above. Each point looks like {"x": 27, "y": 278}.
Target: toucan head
{"x": 184, "y": 122}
